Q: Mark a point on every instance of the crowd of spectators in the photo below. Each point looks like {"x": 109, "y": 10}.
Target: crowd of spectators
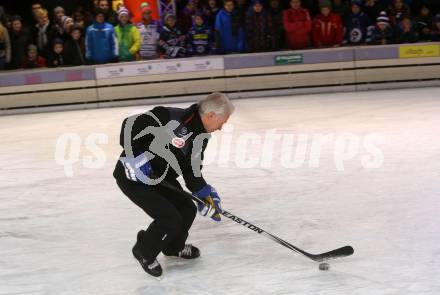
{"x": 202, "y": 27}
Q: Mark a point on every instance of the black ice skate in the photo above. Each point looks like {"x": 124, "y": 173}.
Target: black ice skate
{"x": 188, "y": 252}
{"x": 151, "y": 267}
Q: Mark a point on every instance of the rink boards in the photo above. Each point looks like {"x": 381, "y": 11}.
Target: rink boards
{"x": 241, "y": 75}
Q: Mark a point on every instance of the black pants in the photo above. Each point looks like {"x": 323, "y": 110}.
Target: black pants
{"x": 173, "y": 215}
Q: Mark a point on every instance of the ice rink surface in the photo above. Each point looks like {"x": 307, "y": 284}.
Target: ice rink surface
{"x": 73, "y": 235}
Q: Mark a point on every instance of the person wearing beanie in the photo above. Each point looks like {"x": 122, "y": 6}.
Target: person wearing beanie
{"x": 382, "y": 33}
{"x": 66, "y": 25}
{"x": 58, "y": 12}
{"x": 56, "y": 58}
{"x": 298, "y": 26}
{"x": 356, "y": 24}
{"x": 74, "y": 48}
{"x": 101, "y": 43}
{"x": 230, "y": 33}
{"x": 149, "y": 32}
{"x": 259, "y": 29}
{"x": 32, "y": 59}
{"x": 327, "y": 29}
{"x": 201, "y": 39}
{"x": 172, "y": 42}
{"x": 128, "y": 36}
{"x": 20, "y": 40}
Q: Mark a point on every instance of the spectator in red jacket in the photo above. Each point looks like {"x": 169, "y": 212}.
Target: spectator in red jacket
{"x": 32, "y": 59}
{"x": 298, "y": 26}
{"x": 327, "y": 27}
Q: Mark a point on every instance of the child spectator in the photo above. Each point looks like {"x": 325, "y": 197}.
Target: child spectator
{"x": 101, "y": 44}
{"x": 298, "y": 26}
{"x": 5, "y": 47}
{"x": 406, "y": 32}
{"x": 230, "y": 32}
{"x": 424, "y": 23}
{"x": 172, "y": 40}
{"x": 200, "y": 37}
{"x": 74, "y": 51}
{"x": 382, "y": 33}
{"x": 66, "y": 26}
{"x": 129, "y": 39}
{"x": 20, "y": 39}
{"x": 275, "y": 12}
{"x": 327, "y": 27}
{"x": 44, "y": 32}
{"x": 32, "y": 59}
{"x": 185, "y": 17}
{"x": 56, "y": 58}
{"x": 259, "y": 30}
{"x": 398, "y": 11}
{"x": 149, "y": 31}
{"x": 356, "y": 24}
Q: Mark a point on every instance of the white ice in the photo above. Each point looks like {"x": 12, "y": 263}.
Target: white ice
{"x": 73, "y": 235}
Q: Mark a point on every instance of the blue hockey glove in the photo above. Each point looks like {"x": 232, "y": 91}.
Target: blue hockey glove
{"x": 211, "y": 206}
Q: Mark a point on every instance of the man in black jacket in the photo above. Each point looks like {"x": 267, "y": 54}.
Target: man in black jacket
{"x": 159, "y": 146}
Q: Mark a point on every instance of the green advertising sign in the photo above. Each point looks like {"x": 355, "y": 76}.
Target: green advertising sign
{"x": 288, "y": 59}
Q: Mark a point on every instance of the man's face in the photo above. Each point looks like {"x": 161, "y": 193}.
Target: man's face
{"x": 406, "y": 24}
{"x": 295, "y": 4}
{"x": 42, "y": 20}
{"x": 212, "y": 3}
{"x": 382, "y": 26}
{"x": 424, "y": 11}
{"x": 213, "y": 122}
{"x": 103, "y": 4}
{"x": 100, "y": 18}
{"x": 229, "y": 6}
{"x": 398, "y": 4}
{"x": 124, "y": 19}
{"x": 17, "y": 26}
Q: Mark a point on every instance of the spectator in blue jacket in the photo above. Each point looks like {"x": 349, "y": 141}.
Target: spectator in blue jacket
{"x": 356, "y": 24}
{"x": 230, "y": 32}
{"x": 101, "y": 44}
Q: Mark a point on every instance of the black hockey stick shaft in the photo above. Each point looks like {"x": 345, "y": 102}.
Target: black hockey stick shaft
{"x": 336, "y": 253}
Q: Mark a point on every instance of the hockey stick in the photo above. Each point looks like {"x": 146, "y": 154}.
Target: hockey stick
{"x": 333, "y": 254}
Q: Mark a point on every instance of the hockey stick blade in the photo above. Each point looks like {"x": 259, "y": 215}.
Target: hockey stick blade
{"x": 333, "y": 254}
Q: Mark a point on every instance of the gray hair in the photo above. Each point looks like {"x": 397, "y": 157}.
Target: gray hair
{"x": 216, "y": 102}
